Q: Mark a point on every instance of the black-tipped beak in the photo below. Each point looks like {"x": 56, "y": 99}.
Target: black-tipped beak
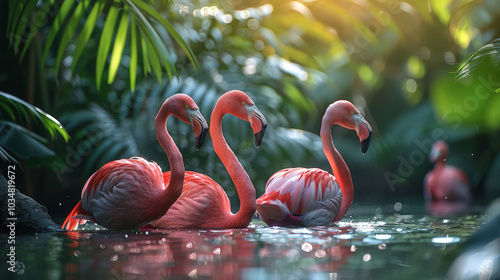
{"x": 365, "y": 143}
{"x": 200, "y": 139}
{"x": 259, "y": 128}
{"x": 260, "y": 135}
{"x": 364, "y": 130}
{"x": 197, "y": 117}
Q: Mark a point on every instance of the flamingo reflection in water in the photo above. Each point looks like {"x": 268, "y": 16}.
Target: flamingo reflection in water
{"x": 211, "y": 254}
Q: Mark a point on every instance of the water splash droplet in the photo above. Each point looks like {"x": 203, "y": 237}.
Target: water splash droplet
{"x": 307, "y": 247}
{"x": 398, "y": 206}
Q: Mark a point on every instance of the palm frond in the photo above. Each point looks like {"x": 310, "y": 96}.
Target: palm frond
{"x": 132, "y": 20}
{"x": 485, "y": 54}
{"x": 99, "y": 135}
{"x": 19, "y": 143}
{"x": 19, "y": 111}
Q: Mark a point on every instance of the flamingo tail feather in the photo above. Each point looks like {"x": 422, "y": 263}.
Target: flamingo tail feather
{"x": 76, "y": 217}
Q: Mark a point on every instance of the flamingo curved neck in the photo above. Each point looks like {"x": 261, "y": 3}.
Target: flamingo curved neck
{"x": 241, "y": 180}
{"x": 339, "y": 168}
{"x": 174, "y": 188}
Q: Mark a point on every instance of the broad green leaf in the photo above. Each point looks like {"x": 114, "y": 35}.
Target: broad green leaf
{"x": 15, "y": 13}
{"x": 87, "y": 30}
{"x": 133, "y": 54}
{"x": 6, "y": 157}
{"x": 145, "y": 56}
{"x": 154, "y": 39}
{"x": 119, "y": 45}
{"x": 50, "y": 123}
{"x": 40, "y": 14}
{"x": 8, "y": 109}
{"x": 477, "y": 58}
{"x": 56, "y": 25}
{"x": 105, "y": 42}
{"x": 13, "y": 7}
{"x": 53, "y": 125}
{"x": 24, "y": 131}
{"x": 154, "y": 61}
{"x": 69, "y": 30}
{"x": 23, "y": 21}
{"x": 171, "y": 30}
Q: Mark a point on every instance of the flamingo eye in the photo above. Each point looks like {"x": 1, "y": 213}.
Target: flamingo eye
{"x": 352, "y": 112}
{"x": 243, "y": 103}
{"x": 186, "y": 106}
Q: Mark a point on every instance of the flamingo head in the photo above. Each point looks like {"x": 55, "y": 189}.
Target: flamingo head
{"x": 345, "y": 114}
{"x": 184, "y": 108}
{"x": 241, "y": 106}
{"x": 439, "y": 151}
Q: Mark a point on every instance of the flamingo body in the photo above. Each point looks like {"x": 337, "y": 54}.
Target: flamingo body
{"x": 117, "y": 182}
{"x": 445, "y": 182}
{"x": 203, "y": 202}
{"x": 311, "y": 196}
{"x": 130, "y": 193}
{"x": 300, "y": 196}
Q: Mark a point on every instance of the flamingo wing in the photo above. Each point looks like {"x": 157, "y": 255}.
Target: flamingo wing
{"x": 118, "y": 195}
{"x": 300, "y": 192}
{"x": 200, "y": 195}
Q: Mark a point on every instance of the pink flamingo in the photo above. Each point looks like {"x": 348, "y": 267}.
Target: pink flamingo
{"x": 203, "y": 203}
{"x": 444, "y": 182}
{"x": 130, "y": 193}
{"x": 311, "y": 196}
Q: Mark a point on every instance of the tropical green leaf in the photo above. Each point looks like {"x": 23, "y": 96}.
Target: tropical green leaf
{"x": 154, "y": 61}
{"x": 23, "y": 130}
{"x": 171, "y": 30}
{"x": 50, "y": 123}
{"x": 16, "y": 9}
{"x": 24, "y": 144}
{"x": 13, "y": 14}
{"x": 69, "y": 30}
{"x": 36, "y": 24}
{"x": 56, "y": 25}
{"x": 105, "y": 42}
{"x": 133, "y": 54}
{"x": 87, "y": 30}
{"x": 154, "y": 40}
{"x": 476, "y": 59}
{"x": 119, "y": 44}
{"x": 6, "y": 157}
{"x": 24, "y": 20}
{"x": 145, "y": 55}
{"x": 109, "y": 137}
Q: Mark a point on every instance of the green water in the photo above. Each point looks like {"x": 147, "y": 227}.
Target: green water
{"x": 386, "y": 244}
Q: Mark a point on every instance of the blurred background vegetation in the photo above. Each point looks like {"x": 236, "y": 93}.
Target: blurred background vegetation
{"x": 418, "y": 70}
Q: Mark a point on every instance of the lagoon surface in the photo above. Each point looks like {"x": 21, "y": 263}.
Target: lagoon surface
{"x": 371, "y": 242}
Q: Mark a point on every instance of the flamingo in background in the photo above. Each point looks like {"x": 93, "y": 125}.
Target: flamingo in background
{"x": 312, "y": 196}
{"x": 444, "y": 182}
{"x": 203, "y": 203}
{"x": 130, "y": 193}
